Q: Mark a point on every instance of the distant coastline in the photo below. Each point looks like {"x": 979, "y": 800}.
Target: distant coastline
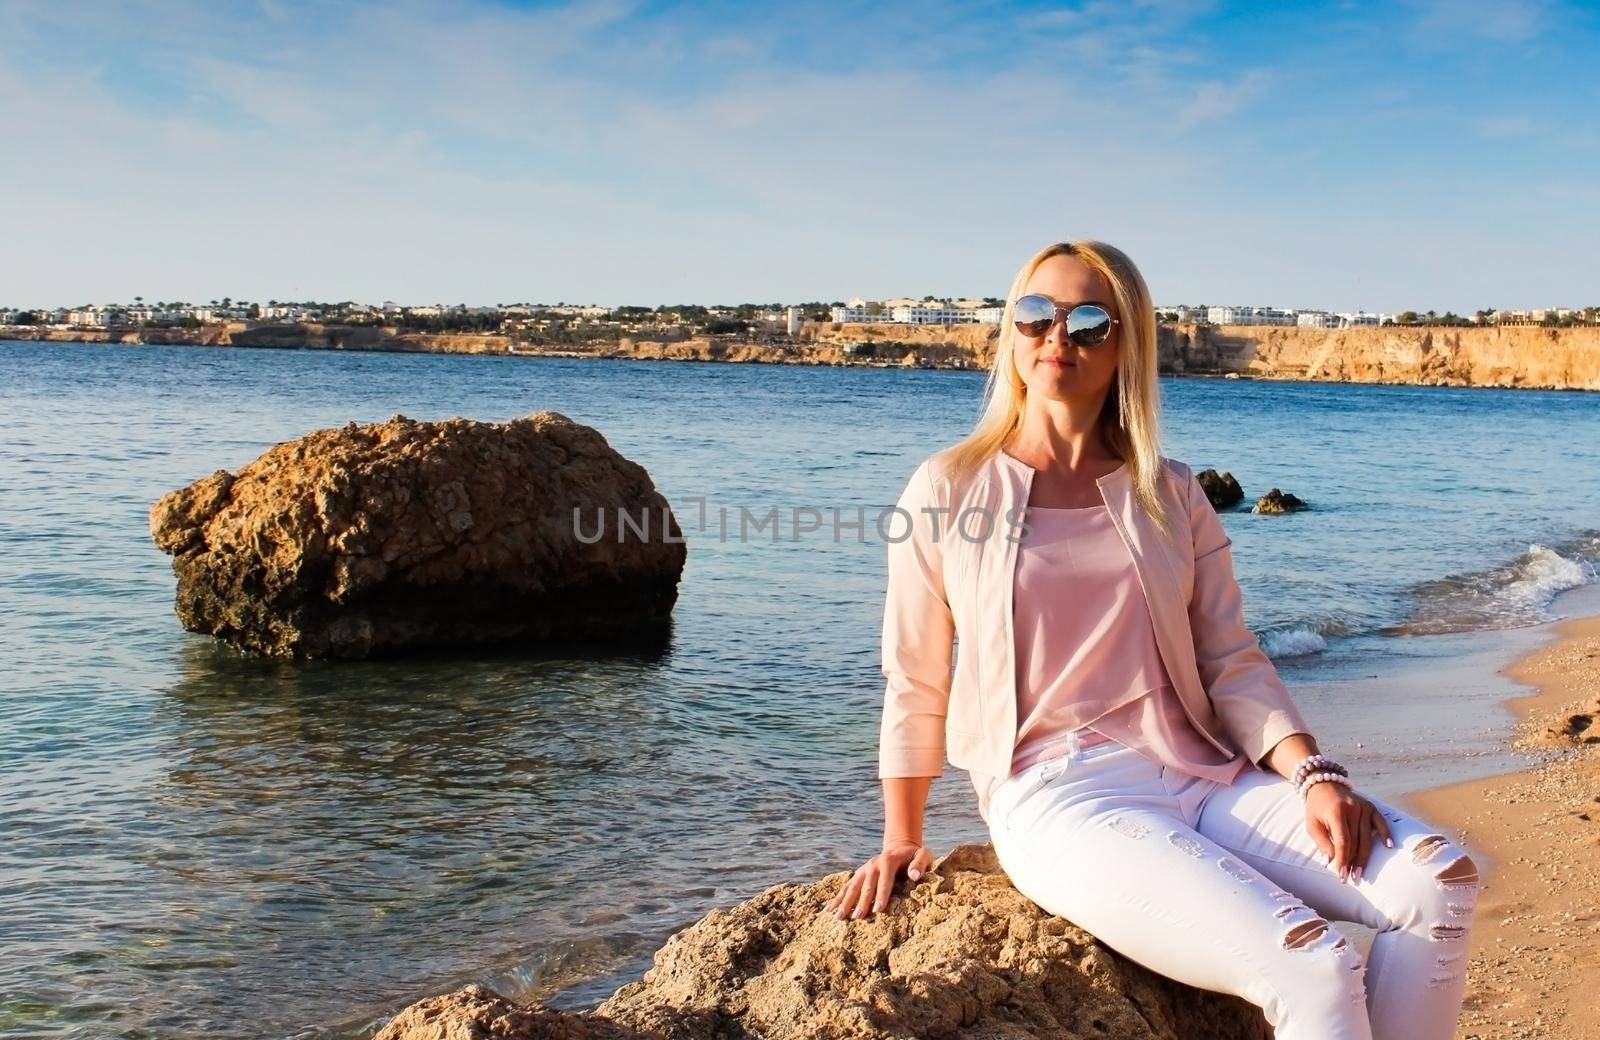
{"x": 1551, "y": 358}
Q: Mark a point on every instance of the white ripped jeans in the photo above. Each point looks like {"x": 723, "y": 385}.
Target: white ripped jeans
{"x": 1222, "y": 887}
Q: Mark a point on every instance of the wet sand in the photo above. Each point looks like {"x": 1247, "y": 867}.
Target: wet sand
{"x": 1534, "y": 963}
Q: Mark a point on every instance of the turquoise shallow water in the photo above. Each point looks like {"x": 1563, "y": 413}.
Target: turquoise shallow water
{"x": 196, "y": 841}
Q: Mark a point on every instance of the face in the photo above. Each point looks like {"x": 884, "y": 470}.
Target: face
{"x": 1052, "y": 366}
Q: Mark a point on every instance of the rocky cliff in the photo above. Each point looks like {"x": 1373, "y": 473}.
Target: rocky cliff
{"x": 1524, "y": 356}
{"x": 1519, "y": 356}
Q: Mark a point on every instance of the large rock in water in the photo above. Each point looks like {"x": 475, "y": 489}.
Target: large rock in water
{"x": 961, "y": 955}
{"x": 405, "y": 535}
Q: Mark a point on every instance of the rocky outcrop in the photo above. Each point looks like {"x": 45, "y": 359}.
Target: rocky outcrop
{"x": 1222, "y": 490}
{"x": 1276, "y": 501}
{"x": 961, "y": 955}
{"x": 202, "y": 336}
{"x": 311, "y": 336}
{"x": 407, "y": 535}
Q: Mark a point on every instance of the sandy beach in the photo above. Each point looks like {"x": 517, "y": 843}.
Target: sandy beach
{"x": 1535, "y": 960}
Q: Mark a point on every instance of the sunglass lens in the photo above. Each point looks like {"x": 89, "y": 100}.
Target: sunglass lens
{"x": 1033, "y": 314}
{"x": 1088, "y": 325}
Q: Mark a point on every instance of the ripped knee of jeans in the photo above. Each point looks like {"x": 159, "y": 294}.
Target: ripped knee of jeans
{"x": 1301, "y": 935}
{"x": 1459, "y": 873}
{"x": 1459, "y": 876}
{"x": 1311, "y": 932}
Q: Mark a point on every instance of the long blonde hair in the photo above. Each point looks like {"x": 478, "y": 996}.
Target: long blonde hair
{"x": 1130, "y": 420}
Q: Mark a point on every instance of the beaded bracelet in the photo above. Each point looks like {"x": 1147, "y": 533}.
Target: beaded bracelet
{"x": 1312, "y": 763}
{"x": 1316, "y": 778}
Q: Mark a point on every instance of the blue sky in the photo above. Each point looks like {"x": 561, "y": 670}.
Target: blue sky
{"x": 1421, "y": 155}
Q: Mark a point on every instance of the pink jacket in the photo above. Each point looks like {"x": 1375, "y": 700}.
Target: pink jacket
{"x": 946, "y": 586}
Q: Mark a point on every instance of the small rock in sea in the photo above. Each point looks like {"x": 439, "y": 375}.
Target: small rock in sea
{"x": 1276, "y": 501}
{"x": 1220, "y": 488}
{"x": 960, "y": 954}
{"x": 371, "y": 540}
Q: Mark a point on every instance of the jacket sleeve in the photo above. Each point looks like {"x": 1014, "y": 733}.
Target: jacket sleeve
{"x": 1244, "y": 687}
{"x": 918, "y": 630}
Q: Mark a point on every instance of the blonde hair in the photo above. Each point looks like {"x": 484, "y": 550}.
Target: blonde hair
{"x": 1129, "y": 421}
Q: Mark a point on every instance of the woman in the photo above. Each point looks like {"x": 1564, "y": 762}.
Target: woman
{"x": 1140, "y": 765}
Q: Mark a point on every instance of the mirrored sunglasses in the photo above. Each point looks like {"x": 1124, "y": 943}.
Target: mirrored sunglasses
{"x": 1087, "y": 324}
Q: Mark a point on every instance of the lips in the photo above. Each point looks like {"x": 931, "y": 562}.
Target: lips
{"x": 1062, "y": 362}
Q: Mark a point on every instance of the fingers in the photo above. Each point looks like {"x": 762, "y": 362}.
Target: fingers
{"x": 1383, "y": 827}
{"x": 869, "y": 891}
{"x": 885, "y": 889}
{"x": 1363, "y": 833}
{"x": 1341, "y": 844}
{"x": 871, "y": 887}
{"x": 1319, "y": 834}
{"x": 847, "y": 894}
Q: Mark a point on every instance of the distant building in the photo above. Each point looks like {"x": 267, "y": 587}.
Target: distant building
{"x": 932, "y": 314}
{"x": 919, "y": 312}
{"x": 1249, "y": 316}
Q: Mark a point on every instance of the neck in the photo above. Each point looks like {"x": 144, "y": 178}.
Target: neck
{"x": 1057, "y": 435}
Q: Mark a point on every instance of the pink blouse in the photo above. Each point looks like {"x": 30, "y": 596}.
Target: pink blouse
{"x": 1086, "y": 651}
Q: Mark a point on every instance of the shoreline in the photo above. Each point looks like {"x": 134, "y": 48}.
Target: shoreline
{"x": 1510, "y": 358}
{"x": 1535, "y": 833}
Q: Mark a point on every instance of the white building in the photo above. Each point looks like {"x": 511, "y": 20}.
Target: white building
{"x": 930, "y": 314}
{"x": 1249, "y": 316}
{"x": 920, "y": 312}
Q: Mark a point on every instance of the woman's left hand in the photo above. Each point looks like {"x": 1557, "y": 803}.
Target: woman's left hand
{"x": 1342, "y": 823}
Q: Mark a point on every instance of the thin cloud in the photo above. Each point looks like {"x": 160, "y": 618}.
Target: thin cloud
{"x": 1504, "y": 20}
{"x": 1214, "y": 101}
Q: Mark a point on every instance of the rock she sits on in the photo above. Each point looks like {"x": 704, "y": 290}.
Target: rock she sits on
{"x": 378, "y": 539}
{"x": 959, "y": 955}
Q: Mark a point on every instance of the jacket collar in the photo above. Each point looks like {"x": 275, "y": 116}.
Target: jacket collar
{"x": 1115, "y": 479}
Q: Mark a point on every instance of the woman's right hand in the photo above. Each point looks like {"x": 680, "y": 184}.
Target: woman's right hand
{"x": 870, "y": 887}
